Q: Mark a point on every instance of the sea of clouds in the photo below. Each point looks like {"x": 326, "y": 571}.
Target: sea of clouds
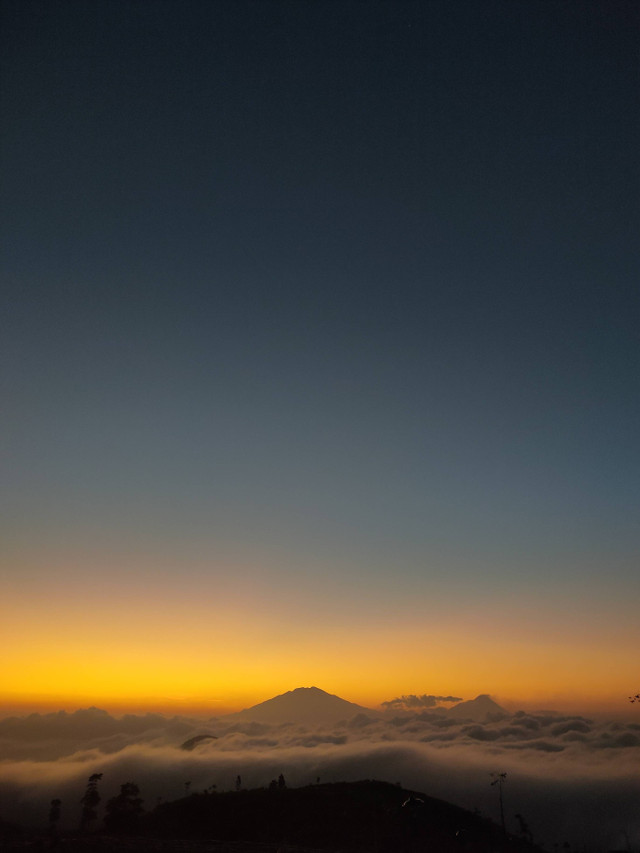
{"x": 571, "y": 778}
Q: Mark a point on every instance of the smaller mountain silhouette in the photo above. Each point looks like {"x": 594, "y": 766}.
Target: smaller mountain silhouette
{"x": 303, "y": 705}
{"x": 195, "y": 741}
{"x": 482, "y": 709}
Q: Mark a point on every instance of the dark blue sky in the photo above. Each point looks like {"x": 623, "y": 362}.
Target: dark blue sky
{"x": 350, "y": 283}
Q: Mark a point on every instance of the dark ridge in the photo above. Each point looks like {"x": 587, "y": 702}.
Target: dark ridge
{"x": 355, "y": 817}
{"x": 194, "y": 741}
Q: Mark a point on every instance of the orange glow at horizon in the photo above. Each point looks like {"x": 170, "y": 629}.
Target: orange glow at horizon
{"x": 132, "y": 640}
{"x": 223, "y": 675}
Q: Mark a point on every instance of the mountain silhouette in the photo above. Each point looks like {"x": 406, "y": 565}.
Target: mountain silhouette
{"x": 482, "y": 709}
{"x": 352, "y": 817}
{"x": 302, "y": 705}
{"x": 190, "y": 744}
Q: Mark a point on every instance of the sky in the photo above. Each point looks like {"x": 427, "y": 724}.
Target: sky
{"x": 319, "y": 352}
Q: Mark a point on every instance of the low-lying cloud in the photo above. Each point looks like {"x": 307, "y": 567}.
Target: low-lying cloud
{"x": 570, "y": 777}
{"x": 410, "y": 702}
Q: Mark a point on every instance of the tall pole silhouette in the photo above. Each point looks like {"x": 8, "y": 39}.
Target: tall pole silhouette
{"x": 499, "y": 781}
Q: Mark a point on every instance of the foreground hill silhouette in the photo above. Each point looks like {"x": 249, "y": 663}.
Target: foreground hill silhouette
{"x": 359, "y": 816}
{"x": 342, "y": 817}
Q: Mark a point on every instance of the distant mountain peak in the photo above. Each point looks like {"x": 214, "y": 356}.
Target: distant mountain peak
{"x": 302, "y": 705}
{"x": 306, "y": 691}
{"x": 482, "y": 709}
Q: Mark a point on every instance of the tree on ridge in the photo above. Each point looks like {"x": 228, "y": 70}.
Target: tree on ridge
{"x": 123, "y": 811}
{"x": 90, "y": 801}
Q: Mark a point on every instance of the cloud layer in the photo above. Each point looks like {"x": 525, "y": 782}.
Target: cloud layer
{"x": 413, "y": 701}
{"x": 570, "y": 777}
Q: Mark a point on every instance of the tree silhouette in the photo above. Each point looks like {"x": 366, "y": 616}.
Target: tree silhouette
{"x": 90, "y": 801}
{"x": 54, "y": 811}
{"x": 281, "y": 782}
{"x": 525, "y": 832}
{"x": 123, "y": 811}
{"x": 54, "y": 817}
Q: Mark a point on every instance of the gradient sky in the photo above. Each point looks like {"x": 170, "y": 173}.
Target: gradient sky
{"x": 319, "y": 345}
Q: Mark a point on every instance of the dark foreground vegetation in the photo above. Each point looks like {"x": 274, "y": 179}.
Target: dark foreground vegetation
{"x": 360, "y": 817}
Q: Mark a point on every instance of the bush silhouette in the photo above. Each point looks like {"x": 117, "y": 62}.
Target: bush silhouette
{"x": 123, "y": 811}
